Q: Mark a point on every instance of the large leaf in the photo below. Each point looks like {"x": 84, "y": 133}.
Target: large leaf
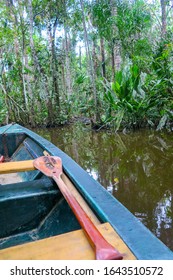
{"x": 162, "y": 122}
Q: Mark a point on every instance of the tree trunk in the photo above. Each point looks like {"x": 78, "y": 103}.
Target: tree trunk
{"x": 54, "y": 70}
{"x": 80, "y": 58}
{"x": 113, "y": 55}
{"x": 28, "y": 80}
{"x": 67, "y": 63}
{"x": 16, "y": 14}
{"x": 39, "y": 80}
{"x": 32, "y": 46}
{"x": 25, "y": 94}
{"x": 113, "y": 59}
{"x": 91, "y": 68}
{"x": 94, "y": 57}
{"x": 102, "y": 50}
{"x": 117, "y": 58}
{"x": 164, "y": 24}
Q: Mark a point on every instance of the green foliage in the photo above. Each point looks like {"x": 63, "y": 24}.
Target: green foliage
{"x": 133, "y": 20}
{"x": 132, "y": 106}
{"x": 81, "y": 102}
{"x": 102, "y": 18}
{"x": 163, "y": 64}
{"x": 50, "y": 80}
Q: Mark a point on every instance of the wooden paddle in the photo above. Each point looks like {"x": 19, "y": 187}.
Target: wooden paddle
{"x": 52, "y": 166}
{"x": 2, "y": 159}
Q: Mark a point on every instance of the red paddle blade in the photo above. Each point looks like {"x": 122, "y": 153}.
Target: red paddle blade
{"x": 48, "y": 165}
{"x": 2, "y": 159}
{"x": 108, "y": 254}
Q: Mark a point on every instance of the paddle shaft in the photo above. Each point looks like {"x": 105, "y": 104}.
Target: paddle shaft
{"x": 103, "y": 250}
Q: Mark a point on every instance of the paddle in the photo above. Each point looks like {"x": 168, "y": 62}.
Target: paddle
{"x": 52, "y": 166}
{"x": 2, "y": 158}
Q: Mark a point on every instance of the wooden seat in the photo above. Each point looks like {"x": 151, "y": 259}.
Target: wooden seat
{"x": 69, "y": 246}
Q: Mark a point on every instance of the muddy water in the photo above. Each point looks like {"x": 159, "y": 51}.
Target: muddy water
{"x": 137, "y": 168}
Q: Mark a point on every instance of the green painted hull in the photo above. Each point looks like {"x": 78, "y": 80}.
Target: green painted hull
{"x": 35, "y": 209}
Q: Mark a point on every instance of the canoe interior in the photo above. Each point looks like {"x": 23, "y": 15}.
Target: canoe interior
{"x": 17, "y": 147}
{"x": 32, "y": 208}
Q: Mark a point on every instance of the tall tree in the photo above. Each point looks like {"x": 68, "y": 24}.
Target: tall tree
{"x": 91, "y": 66}
{"x": 163, "y": 13}
{"x": 67, "y": 47}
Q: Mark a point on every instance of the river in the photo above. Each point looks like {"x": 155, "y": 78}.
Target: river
{"x": 136, "y": 168}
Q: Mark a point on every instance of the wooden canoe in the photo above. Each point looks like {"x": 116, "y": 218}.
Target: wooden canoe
{"x": 37, "y": 222}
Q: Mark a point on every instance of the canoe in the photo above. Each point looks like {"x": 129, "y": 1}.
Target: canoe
{"x": 38, "y": 223}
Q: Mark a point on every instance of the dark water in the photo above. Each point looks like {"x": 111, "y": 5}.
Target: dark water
{"x": 137, "y": 168}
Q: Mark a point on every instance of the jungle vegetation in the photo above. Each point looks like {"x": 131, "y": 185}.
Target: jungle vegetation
{"x": 107, "y": 60}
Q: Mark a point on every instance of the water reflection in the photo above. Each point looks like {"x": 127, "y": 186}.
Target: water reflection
{"x": 136, "y": 168}
{"x": 163, "y": 215}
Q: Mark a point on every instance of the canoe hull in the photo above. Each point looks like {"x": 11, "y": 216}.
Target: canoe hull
{"x": 139, "y": 239}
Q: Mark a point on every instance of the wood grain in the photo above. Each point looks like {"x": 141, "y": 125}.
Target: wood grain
{"x": 16, "y": 166}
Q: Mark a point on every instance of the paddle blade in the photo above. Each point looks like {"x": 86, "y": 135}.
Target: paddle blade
{"x": 49, "y": 165}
